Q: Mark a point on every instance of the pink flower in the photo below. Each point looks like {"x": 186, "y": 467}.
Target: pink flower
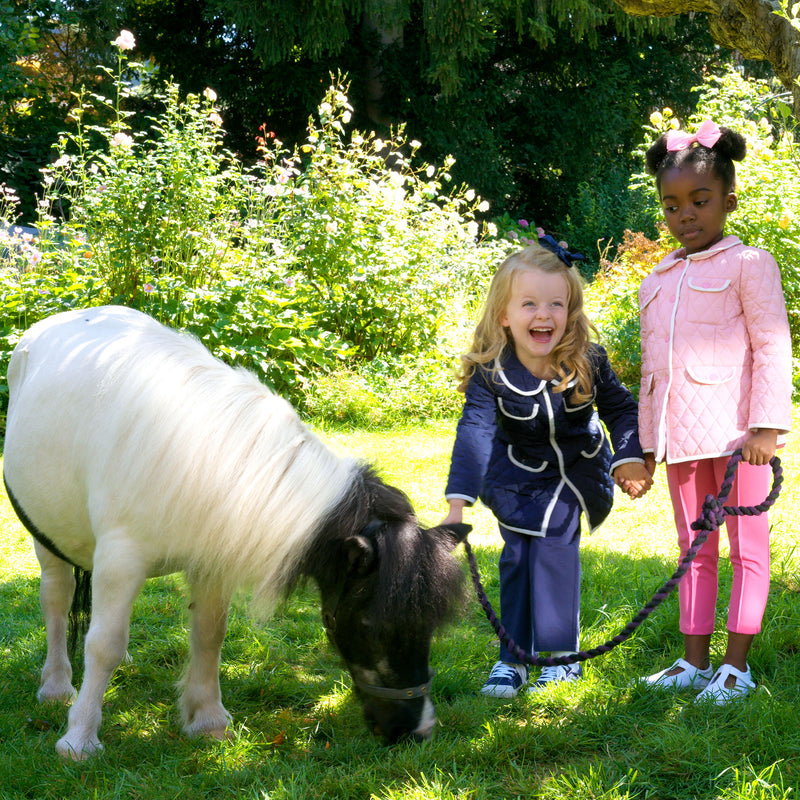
{"x": 125, "y": 41}
{"x": 523, "y": 223}
{"x": 540, "y": 232}
{"x": 148, "y": 288}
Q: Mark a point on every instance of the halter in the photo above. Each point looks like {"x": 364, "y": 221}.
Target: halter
{"x": 382, "y": 692}
{"x": 386, "y": 693}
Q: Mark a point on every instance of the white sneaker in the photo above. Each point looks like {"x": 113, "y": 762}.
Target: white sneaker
{"x": 505, "y": 680}
{"x": 689, "y": 677}
{"x": 720, "y": 694}
{"x": 557, "y": 674}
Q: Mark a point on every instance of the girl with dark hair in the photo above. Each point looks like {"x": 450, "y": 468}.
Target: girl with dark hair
{"x": 716, "y": 376}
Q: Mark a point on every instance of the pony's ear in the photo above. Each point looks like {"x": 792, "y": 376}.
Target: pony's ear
{"x": 360, "y": 553}
{"x": 452, "y": 534}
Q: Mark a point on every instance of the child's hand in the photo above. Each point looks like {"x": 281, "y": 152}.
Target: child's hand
{"x": 760, "y": 447}
{"x": 456, "y": 513}
{"x": 634, "y": 479}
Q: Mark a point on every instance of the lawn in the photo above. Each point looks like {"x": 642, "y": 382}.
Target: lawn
{"x": 297, "y": 732}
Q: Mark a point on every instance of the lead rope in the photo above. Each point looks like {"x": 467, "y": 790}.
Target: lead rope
{"x": 713, "y": 515}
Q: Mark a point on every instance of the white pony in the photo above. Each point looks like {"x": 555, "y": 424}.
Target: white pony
{"x": 131, "y": 452}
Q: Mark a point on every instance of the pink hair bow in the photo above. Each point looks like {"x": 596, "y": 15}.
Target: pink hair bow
{"x": 707, "y": 134}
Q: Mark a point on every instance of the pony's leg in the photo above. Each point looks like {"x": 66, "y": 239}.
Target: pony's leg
{"x": 56, "y": 588}
{"x": 117, "y": 577}
{"x": 201, "y": 706}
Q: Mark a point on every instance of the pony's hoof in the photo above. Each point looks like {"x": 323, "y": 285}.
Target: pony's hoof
{"x": 55, "y": 693}
{"x": 219, "y": 734}
{"x": 77, "y": 751}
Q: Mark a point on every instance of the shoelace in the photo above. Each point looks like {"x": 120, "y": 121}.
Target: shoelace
{"x": 504, "y": 671}
{"x": 554, "y": 673}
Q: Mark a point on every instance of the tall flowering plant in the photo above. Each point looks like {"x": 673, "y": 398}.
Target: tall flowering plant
{"x": 142, "y": 206}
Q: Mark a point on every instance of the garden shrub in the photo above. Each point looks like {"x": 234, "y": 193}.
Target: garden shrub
{"x": 612, "y": 301}
{"x": 345, "y": 253}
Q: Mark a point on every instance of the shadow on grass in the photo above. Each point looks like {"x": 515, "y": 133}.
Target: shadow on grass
{"x": 287, "y": 660}
{"x": 295, "y": 725}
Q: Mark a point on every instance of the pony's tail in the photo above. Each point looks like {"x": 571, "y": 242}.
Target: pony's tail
{"x": 80, "y": 613}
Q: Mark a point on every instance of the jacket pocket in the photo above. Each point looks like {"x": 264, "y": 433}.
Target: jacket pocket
{"x": 710, "y": 376}
{"x": 598, "y": 446}
{"x": 706, "y": 299}
{"x": 568, "y": 409}
{"x": 531, "y": 466}
{"x": 647, "y": 384}
{"x": 505, "y": 413}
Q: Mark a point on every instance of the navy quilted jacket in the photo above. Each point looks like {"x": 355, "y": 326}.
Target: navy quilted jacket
{"x": 531, "y": 456}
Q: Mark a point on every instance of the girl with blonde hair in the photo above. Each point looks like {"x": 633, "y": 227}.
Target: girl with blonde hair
{"x": 531, "y": 446}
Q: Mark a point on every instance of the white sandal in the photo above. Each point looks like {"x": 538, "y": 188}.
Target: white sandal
{"x": 720, "y": 694}
{"x": 690, "y": 677}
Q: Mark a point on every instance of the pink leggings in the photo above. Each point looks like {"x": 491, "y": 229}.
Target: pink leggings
{"x": 689, "y": 483}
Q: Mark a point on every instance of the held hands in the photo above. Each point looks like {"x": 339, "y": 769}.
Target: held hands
{"x": 760, "y": 447}
{"x": 634, "y": 479}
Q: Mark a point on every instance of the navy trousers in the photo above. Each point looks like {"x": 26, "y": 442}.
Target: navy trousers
{"x": 540, "y": 589}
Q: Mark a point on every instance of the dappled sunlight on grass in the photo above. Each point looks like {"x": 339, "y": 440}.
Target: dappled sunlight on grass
{"x": 298, "y": 731}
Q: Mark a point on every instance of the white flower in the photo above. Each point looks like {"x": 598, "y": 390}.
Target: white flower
{"x": 470, "y": 195}
{"x": 414, "y": 144}
{"x": 483, "y": 205}
{"x": 125, "y": 41}
{"x": 210, "y": 94}
{"x": 121, "y": 139}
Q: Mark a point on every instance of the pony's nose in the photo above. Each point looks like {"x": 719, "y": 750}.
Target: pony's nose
{"x": 424, "y": 730}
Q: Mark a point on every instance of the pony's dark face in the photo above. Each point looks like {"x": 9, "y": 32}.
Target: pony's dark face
{"x": 399, "y": 582}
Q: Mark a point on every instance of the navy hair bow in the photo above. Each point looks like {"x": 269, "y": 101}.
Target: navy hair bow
{"x": 551, "y": 244}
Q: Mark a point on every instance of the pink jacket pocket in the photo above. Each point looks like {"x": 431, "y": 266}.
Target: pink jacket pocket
{"x": 710, "y": 376}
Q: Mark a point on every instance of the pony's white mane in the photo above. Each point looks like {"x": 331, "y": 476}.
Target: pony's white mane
{"x": 236, "y": 484}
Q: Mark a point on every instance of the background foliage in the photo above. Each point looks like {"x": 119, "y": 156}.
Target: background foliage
{"x": 486, "y": 83}
{"x": 343, "y": 252}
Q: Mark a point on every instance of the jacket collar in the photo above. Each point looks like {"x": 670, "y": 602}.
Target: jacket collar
{"x": 517, "y": 377}
{"x": 678, "y": 256}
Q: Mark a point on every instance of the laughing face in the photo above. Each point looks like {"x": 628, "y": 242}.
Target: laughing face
{"x": 536, "y": 316}
{"x": 696, "y": 204}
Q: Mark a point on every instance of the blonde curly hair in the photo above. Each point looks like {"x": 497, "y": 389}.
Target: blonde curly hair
{"x": 569, "y": 358}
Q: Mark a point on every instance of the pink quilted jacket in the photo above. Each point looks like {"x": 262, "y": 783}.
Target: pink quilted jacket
{"x": 716, "y": 352}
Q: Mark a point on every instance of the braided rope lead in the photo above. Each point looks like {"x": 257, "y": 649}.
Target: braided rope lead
{"x": 712, "y": 516}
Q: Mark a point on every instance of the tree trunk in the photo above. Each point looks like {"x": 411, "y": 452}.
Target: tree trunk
{"x": 749, "y": 26}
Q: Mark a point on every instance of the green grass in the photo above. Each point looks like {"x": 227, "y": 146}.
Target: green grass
{"x": 298, "y": 734}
